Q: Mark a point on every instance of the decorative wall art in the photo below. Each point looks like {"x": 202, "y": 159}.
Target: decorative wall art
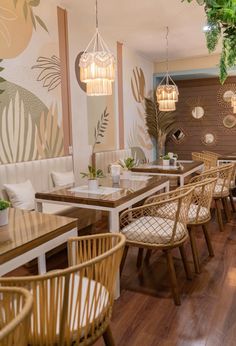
{"x": 138, "y": 84}
{"x": 31, "y": 127}
{"x": 215, "y": 128}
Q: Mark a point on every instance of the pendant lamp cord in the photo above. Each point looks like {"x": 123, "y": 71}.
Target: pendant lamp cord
{"x": 167, "y": 54}
{"x": 96, "y": 7}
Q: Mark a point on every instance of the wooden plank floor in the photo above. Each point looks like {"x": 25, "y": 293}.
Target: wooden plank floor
{"x": 145, "y": 314}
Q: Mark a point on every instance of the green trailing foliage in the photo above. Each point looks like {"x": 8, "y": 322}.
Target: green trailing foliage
{"x": 93, "y": 173}
{"x": 221, "y": 19}
{"x": 4, "y": 204}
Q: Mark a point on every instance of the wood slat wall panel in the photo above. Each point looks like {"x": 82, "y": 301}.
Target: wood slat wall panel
{"x": 206, "y": 90}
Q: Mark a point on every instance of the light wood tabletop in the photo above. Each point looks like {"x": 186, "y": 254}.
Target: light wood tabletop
{"x": 28, "y": 230}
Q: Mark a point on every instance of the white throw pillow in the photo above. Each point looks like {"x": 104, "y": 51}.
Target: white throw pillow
{"x": 63, "y": 178}
{"x": 21, "y": 195}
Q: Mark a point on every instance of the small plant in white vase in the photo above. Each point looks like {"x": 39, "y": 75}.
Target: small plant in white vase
{"x": 166, "y": 160}
{"x": 127, "y": 165}
{"x": 93, "y": 175}
{"x": 175, "y": 158}
{"x": 4, "y": 207}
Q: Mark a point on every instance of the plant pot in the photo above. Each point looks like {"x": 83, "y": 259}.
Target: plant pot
{"x": 166, "y": 162}
{"x": 93, "y": 184}
{"x": 4, "y": 217}
{"x": 126, "y": 174}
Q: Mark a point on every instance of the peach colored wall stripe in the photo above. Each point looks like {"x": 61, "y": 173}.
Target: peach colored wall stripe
{"x": 120, "y": 94}
{"x": 65, "y": 82}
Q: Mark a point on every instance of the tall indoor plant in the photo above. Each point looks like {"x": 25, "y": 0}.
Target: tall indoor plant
{"x": 221, "y": 22}
{"x": 159, "y": 124}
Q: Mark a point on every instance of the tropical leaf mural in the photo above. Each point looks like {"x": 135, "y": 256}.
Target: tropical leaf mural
{"x": 100, "y": 129}
{"x": 17, "y": 133}
{"x": 50, "y": 135}
{"x": 50, "y": 71}
{"x": 138, "y": 84}
{"x": 28, "y": 6}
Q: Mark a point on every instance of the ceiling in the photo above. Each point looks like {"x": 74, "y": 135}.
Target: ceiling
{"x": 141, "y": 25}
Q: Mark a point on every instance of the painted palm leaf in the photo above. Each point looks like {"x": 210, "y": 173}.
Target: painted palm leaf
{"x": 50, "y": 71}
{"x": 17, "y": 133}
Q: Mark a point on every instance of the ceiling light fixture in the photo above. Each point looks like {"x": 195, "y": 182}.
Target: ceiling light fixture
{"x": 97, "y": 65}
{"x": 167, "y": 91}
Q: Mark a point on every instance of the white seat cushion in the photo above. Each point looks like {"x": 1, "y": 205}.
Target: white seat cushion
{"x": 153, "y": 230}
{"x": 50, "y": 208}
{"x": 218, "y": 189}
{"x": 81, "y": 307}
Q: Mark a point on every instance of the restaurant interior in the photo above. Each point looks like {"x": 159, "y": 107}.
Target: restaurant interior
{"x": 117, "y": 172}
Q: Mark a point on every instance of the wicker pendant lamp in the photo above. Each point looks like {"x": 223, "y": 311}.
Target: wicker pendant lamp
{"x": 233, "y": 103}
{"x": 97, "y": 65}
{"x": 167, "y": 91}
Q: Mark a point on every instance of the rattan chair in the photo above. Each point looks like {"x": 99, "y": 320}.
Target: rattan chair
{"x": 145, "y": 227}
{"x": 200, "y": 214}
{"x": 209, "y": 161}
{"x": 74, "y": 305}
{"x": 15, "y": 309}
{"x": 223, "y": 174}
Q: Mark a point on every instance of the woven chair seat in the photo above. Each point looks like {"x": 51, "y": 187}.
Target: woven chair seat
{"x": 154, "y": 230}
{"x": 194, "y": 213}
{"x": 219, "y": 190}
{"x": 83, "y": 297}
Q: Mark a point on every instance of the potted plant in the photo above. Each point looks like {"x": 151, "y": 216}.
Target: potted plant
{"x": 166, "y": 160}
{"x": 175, "y": 158}
{"x": 4, "y": 206}
{"x": 93, "y": 175}
{"x": 127, "y": 165}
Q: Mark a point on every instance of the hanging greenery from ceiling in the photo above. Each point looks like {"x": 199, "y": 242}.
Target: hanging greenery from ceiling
{"x": 221, "y": 20}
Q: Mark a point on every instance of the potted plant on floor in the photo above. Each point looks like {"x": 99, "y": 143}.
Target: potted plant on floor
{"x": 4, "y": 207}
{"x": 127, "y": 165}
{"x": 93, "y": 175}
{"x": 166, "y": 160}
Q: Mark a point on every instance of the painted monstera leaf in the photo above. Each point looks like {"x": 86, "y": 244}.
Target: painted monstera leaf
{"x": 50, "y": 135}
{"x": 17, "y": 133}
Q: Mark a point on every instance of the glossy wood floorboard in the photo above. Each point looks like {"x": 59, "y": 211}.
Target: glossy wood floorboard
{"x": 145, "y": 314}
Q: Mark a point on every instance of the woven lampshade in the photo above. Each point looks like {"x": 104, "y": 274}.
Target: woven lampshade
{"x": 97, "y": 66}
{"x": 233, "y": 101}
{"x": 167, "y": 92}
{"x": 167, "y": 106}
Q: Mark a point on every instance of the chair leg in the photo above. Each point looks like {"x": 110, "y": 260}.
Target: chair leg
{"x": 108, "y": 337}
{"x": 122, "y": 264}
{"x": 173, "y": 279}
{"x": 208, "y": 240}
{"x": 194, "y": 250}
{"x": 232, "y": 201}
{"x": 139, "y": 258}
{"x": 219, "y": 215}
{"x": 148, "y": 255}
{"x": 185, "y": 262}
{"x": 226, "y": 208}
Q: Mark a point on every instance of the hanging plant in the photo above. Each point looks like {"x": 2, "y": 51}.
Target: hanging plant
{"x": 221, "y": 21}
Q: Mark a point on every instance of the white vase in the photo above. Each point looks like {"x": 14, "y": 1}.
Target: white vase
{"x": 126, "y": 174}
{"x": 93, "y": 184}
{"x": 4, "y": 217}
{"x": 166, "y": 162}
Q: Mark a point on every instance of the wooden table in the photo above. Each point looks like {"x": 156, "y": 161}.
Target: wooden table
{"x": 127, "y": 194}
{"x": 170, "y": 171}
{"x": 30, "y": 235}
{"x": 227, "y": 158}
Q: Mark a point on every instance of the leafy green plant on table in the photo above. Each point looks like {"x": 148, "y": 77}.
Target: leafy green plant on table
{"x": 159, "y": 124}
{"x": 128, "y": 163}
{"x": 221, "y": 22}
{"x": 4, "y": 204}
{"x": 93, "y": 173}
{"x": 166, "y": 157}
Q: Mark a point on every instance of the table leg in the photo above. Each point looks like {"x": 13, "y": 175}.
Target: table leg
{"x": 39, "y": 206}
{"x": 114, "y": 226}
{"x": 42, "y": 264}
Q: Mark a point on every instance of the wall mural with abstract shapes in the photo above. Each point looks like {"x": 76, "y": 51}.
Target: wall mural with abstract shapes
{"x": 31, "y": 125}
{"x": 138, "y": 135}
{"x": 101, "y": 117}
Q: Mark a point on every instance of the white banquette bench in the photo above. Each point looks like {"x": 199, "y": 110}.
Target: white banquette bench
{"x": 39, "y": 173}
{"x": 103, "y": 159}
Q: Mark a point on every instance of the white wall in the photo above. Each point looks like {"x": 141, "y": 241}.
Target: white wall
{"x": 135, "y": 128}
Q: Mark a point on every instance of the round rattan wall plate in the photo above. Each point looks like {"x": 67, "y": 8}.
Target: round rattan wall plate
{"x": 229, "y": 121}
